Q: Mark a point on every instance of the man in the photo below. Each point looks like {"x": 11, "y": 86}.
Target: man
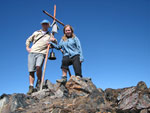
{"x": 72, "y": 53}
{"x": 37, "y": 53}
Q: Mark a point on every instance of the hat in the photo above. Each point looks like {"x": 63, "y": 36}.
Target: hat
{"x": 45, "y": 21}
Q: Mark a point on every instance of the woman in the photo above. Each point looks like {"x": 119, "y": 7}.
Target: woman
{"x": 72, "y": 53}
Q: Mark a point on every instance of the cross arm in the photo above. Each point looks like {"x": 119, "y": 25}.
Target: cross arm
{"x": 53, "y": 17}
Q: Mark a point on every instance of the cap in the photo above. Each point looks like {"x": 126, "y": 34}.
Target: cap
{"x": 45, "y": 21}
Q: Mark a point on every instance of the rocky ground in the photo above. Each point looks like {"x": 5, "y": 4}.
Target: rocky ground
{"x": 79, "y": 96}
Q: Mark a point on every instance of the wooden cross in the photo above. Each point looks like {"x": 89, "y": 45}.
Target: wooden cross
{"x": 43, "y": 74}
{"x": 45, "y": 63}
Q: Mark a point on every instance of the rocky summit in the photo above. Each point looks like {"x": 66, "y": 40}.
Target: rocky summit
{"x": 78, "y": 95}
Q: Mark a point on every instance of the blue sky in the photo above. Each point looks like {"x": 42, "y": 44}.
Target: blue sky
{"x": 115, "y": 37}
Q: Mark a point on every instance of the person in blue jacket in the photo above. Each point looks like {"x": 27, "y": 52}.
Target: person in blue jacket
{"x": 72, "y": 53}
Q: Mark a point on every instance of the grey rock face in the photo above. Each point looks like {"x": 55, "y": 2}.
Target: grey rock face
{"x": 4, "y": 100}
{"x": 11, "y": 103}
{"x": 78, "y": 95}
{"x": 134, "y": 98}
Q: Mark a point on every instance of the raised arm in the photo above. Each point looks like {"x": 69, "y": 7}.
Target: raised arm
{"x": 57, "y": 46}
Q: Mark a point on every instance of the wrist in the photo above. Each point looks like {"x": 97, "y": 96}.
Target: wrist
{"x": 50, "y": 42}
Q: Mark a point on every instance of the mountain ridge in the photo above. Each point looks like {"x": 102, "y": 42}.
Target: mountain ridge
{"x": 79, "y": 95}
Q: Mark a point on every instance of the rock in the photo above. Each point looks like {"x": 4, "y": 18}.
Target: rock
{"x": 141, "y": 86}
{"x": 126, "y": 92}
{"x": 78, "y": 95}
{"x": 128, "y": 102}
{"x": 49, "y": 85}
{"x": 80, "y": 86}
{"x": 4, "y": 100}
{"x": 144, "y": 111}
{"x": 61, "y": 92}
{"x": 111, "y": 95}
{"x": 100, "y": 90}
{"x": 52, "y": 90}
{"x": 15, "y": 102}
{"x": 143, "y": 100}
{"x": 43, "y": 93}
{"x": 134, "y": 98}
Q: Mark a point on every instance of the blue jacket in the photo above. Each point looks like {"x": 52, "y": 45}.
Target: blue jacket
{"x": 71, "y": 47}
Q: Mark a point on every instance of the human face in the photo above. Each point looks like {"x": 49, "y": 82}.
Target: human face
{"x": 45, "y": 26}
{"x": 68, "y": 31}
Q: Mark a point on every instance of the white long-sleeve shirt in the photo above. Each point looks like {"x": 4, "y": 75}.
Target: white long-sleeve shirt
{"x": 41, "y": 45}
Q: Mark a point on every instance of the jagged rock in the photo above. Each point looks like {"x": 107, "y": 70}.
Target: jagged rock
{"x": 80, "y": 86}
{"x": 4, "y": 100}
{"x": 48, "y": 85}
{"x": 61, "y": 92}
{"x": 111, "y": 95}
{"x": 43, "y": 93}
{"x": 144, "y": 111}
{"x": 52, "y": 90}
{"x": 100, "y": 90}
{"x": 143, "y": 100}
{"x": 14, "y": 102}
{"x": 79, "y": 95}
{"x": 125, "y": 93}
{"x": 134, "y": 98}
{"x": 141, "y": 86}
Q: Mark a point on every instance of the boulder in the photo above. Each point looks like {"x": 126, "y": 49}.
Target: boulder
{"x": 14, "y": 102}
{"x": 80, "y": 86}
{"x": 4, "y": 100}
{"x": 141, "y": 86}
{"x": 134, "y": 98}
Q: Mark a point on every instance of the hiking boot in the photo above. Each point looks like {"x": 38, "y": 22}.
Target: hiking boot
{"x": 31, "y": 90}
{"x": 38, "y": 85}
{"x": 62, "y": 80}
{"x": 78, "y": 77}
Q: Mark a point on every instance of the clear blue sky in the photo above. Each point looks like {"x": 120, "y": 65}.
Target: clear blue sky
{"x": 115, "y": 37}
